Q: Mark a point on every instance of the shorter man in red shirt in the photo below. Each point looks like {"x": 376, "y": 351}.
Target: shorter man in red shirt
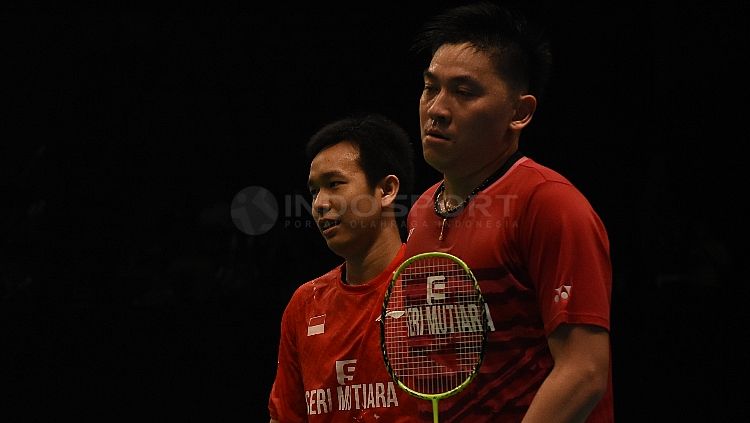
{"x": 330, "y": 366}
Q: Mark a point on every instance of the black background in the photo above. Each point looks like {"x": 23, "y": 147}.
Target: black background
{"x": 128, "y": 292}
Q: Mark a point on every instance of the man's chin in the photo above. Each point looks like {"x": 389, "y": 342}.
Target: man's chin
{"x": 337, "y": 247}
{"x": 438, "y": 161}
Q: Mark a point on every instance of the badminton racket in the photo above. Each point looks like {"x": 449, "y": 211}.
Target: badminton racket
{"x": 433, "y": 327}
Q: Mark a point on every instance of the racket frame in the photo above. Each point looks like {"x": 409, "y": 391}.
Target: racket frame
{"x": 394, "y": 278}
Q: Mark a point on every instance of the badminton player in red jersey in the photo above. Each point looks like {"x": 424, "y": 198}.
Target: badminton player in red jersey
{"x": 537, "y": 247}
{"x": 330, "y": 366}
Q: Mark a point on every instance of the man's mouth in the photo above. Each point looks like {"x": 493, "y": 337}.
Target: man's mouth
{"x": 324, "y": 224}
{"x": 436, "y": 135}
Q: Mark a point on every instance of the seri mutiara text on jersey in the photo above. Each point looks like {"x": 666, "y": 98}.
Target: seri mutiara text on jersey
{"x": 350, "y": 396}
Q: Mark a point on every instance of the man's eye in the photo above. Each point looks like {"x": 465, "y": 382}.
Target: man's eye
{"x": 465, "y": 93}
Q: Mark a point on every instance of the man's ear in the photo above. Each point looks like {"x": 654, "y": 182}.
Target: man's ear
{"x": 524, "y": 112}
{"x": 388, "y": 190}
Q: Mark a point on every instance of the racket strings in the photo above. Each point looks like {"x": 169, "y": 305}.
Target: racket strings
{"x": 437, "y": 344}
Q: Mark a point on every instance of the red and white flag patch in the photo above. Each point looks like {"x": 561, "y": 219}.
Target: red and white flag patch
{"x": 316, "y": 325}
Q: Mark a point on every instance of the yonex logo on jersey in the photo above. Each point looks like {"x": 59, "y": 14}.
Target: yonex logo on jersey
{"x": 316, "y": 325}
{"x": 562, "y": 293}
{"x": 345, "y": 370}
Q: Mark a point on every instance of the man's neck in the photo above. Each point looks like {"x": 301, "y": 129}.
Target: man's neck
{"x": 460, "y": 186}
{"x": 372, "y": 262}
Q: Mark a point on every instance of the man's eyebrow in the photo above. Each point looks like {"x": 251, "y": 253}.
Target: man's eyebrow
{"x": 460, "y": 79}
{"x": 326, "y": 175}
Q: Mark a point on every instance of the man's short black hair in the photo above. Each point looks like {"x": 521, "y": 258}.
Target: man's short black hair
{"x": 384, "y": 147}
{"x": 519, "y": 49}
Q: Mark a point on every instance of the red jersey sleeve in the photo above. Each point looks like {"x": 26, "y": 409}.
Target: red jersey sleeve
{"x": 287, "y": 402}
{"x": 567, "y": 252}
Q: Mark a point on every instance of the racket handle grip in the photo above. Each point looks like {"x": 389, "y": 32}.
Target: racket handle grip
{"x": 434, "y": 410}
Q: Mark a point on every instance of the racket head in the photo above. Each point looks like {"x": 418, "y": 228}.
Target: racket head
{"x": 433, "y": 326}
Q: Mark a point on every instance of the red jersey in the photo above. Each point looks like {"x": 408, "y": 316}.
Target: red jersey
{"x": 541, "y": 256}
{"x": 330, "y": 366}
